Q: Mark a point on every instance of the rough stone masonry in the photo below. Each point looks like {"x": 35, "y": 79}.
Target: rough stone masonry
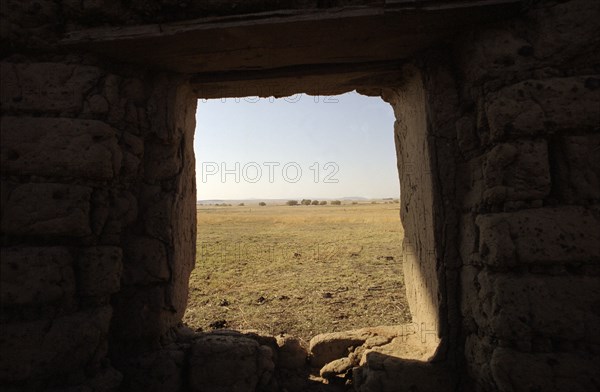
{"x": 497, "y": 106}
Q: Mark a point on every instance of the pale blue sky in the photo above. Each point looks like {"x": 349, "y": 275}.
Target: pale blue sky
{"x": 263, "y": 142}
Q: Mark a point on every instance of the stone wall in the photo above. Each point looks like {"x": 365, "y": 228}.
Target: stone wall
{"x": 528, "y": 182}
{"x": 497, "y": 140}
{"x": 98, "y": 210}
{"x": 497, "y": 134}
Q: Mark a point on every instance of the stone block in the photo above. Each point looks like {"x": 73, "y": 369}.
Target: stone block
{"x": 336, "y": 368}
{"x": 559, "y": 29}
{"x": 35, "y": 275}
{"x": 478, "y": 351}
{"x": 46, "y": 87}
{"x": 29, "y": 25}
{"x": 162, "y": 161}
{"x": 49, "y": 348}
{"x": 221, "y": 363}
{"x": 122, "y": 211}
{"x": 96, "y": 104}
{"x": 535, "y": 107}
{"x": 159, "y": 216}
{"x": 492, "y": 53}
{"x": 291, "y": 354}
{"x": 145, "y": 261}
{"x": 132, "y": 143}
{"x": 385, "y": 373}
{"x": 59, "y": 147}
{"x": 539, "y": 236}
{"x": 142, "y": 312}
{"x": 519, "y": 308}
{"x": 466, "y": 134}
{"x": 327, "y": 347}
{"x": 471, "y": 184}
{"x": 107, "y": 379}
{"x": 135, "y": 90}
{"x": 525, "y": 372}
{"x": 99, "y": 270}
{"x": 131, "y": 166}
{"x": 158, "y": 371}
{"x": 517, "y": 171}
{"x": 48, "y": 209}
{"x": 577, "y": 168}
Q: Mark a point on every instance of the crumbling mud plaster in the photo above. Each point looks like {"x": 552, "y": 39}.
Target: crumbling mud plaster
{"x": 497, "y": 130}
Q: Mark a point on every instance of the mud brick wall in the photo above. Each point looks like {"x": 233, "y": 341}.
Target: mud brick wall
{"x": 498, "y": 139}
{"x": 97, "y": 197}
{"x": 529, "y": 180}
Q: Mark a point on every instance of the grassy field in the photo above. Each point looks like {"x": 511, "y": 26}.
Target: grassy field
{"x": 300, "y": 270}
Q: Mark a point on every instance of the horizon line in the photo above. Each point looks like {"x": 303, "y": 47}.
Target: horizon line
{"x": 300, "y": 198}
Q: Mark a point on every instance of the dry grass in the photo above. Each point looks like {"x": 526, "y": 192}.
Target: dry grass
{"x": 301, "y": 270}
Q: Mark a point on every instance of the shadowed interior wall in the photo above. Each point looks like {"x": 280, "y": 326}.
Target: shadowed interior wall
{"x": 159, "y": 249}
{"x": 527, "y": 134}
{"x": 498, "y": 138}
{"x": 98, "y": 217}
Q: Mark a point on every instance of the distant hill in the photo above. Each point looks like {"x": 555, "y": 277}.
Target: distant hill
{"x": 256, "y": 201}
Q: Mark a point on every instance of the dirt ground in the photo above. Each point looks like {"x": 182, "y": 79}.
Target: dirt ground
{"x": 300, "y": 270}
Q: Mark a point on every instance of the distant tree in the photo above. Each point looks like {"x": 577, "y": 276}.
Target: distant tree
{"x": 262, "y": 204}
{"x": 336, "y": 203}
{"x": 396, "y": 201}
{"x": 241, "y": 204}
{"x": 354, "y": 202}
{"x": 323, "y": 203}
{"x": 373, "y": 202}
{"x": 306, "y": 202}
{"x": 315, "y": 203}
{"x": 292, "y": 203}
